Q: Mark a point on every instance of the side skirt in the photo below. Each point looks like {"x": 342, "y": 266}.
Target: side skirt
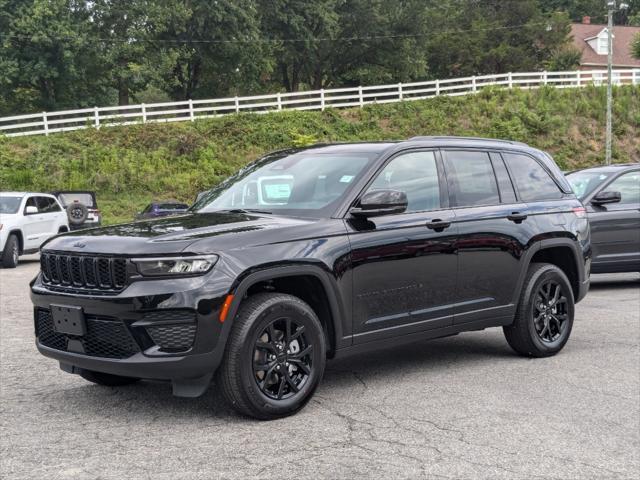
{"x": 426, "y": 335}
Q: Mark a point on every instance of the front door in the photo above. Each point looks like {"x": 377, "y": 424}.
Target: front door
{"x": 615, "y": 227}
{"x": 405, "y": 265}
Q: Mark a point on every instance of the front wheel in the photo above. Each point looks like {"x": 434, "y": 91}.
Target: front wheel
{"x": 545, "y": 313}
{"x": 11, "y": 252}
{"x": 275, "y": 356}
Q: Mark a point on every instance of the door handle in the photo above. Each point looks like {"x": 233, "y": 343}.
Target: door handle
{"x": 438, "y": 225}
{"x": 517, "y": 217}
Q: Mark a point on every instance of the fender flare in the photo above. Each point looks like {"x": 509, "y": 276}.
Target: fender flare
{"x": 330, "y": 289}
{"x": 544, "y": 245}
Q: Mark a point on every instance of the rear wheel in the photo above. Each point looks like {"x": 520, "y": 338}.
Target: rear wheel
{"x": 545, "y": 313}
{"x": 106, "y": 379}
{"x": 11, "y": 252}
{"x": 275, "y": 356}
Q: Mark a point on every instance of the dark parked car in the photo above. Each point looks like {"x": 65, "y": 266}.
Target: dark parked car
{"x": 316, "y": 253}
{"x": 611, "y": 196}
{"x": 162, "y": 209}
{"x": 82, "y": 208}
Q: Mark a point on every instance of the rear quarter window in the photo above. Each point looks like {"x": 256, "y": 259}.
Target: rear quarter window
{"x": 532, "y": 181}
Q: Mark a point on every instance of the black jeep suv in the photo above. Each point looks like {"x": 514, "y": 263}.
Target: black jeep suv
{"x": 315, "y": 253}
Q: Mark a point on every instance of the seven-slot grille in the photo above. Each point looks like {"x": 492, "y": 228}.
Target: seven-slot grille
{"x": 83, "y": 272}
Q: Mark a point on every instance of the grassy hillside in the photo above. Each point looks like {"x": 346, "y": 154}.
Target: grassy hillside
{"x": 129, "y": 166}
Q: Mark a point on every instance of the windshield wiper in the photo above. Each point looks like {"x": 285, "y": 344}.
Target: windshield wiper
{"x": 247, "y": 210}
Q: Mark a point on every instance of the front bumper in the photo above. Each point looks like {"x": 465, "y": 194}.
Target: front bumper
{"x": 167, "y": 330}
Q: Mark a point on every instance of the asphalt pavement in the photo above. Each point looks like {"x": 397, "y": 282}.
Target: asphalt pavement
{"x": 460, "y": 407}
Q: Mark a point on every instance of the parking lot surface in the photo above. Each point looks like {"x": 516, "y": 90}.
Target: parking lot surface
{"x": 459, "y": 407}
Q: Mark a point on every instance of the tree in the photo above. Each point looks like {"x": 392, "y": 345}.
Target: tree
{"x": 493, "y": 36}
{"x": 211, "y": 49}
{"x": 636, "y": 47}
{"x": 125, "y": 30}
{"x": 47, "y": 55}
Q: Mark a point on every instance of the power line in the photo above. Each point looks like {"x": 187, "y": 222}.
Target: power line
{"x": 281, "y": 40}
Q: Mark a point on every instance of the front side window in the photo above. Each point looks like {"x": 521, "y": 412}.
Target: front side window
{"x": 629, "y": 187}
{"x": 471, "y": 179}
{"x": 306, "y": 183}
{"x": 416, "y": 175}
{"x": 532, "y": 181}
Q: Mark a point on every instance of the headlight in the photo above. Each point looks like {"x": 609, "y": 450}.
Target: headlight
{"x": 158, "y": 267}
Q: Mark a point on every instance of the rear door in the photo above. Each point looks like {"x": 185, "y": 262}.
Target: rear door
{"x": 490, "y": 234}
{"x": 50, "y": 210}
{"x": 404, "y": 265}
{"x": 615, "y": 227}
{"x": 35, "y": 225}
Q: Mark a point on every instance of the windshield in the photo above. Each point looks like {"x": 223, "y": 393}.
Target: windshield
{"x": 304, "y": 183}
{"x": 9, "y": 204}
{"x": 583, "y": 183}
{"x": 84, "y": 198}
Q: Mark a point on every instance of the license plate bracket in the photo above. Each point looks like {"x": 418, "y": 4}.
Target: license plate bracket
{"x": 68, "y": 320}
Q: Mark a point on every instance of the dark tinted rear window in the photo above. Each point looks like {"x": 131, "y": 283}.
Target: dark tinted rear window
{"x": 532, "y": 181}
{"x": 471, "y": 179}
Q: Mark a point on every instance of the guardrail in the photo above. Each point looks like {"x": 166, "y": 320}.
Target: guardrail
{"x": 190, "y": 110}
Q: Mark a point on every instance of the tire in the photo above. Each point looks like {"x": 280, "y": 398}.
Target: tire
{"x": 11, "y": 252}
{"x": 77, "y": 213}
{"x": 543, "y": 321}
{"x": 106, "y": 379}
{"x": 289, "y": 379}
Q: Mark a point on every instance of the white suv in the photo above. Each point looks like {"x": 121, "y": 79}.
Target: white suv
{"x": 26, "y": 221}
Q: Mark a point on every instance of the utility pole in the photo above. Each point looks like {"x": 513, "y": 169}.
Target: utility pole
{"x": 612, "y": 7}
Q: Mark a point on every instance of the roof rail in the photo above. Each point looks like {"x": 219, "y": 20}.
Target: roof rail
{"x": 475, "y": 139}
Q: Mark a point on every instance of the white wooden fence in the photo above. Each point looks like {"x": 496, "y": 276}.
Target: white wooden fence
{"x": 190, "y": 110}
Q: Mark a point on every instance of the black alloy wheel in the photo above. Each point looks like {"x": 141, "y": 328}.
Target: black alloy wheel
{"x": 282, "y": 358}
{"x": 544, "y": 317}
{"x": 550, "y": 311}
{"x": 275, "y": 356}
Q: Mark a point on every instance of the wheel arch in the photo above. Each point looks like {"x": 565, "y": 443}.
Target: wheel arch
{"x": 310, "y": 283}
{"x": 564, "y": 254}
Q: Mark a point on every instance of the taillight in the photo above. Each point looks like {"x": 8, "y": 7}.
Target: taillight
{"x": 580, "y": 212}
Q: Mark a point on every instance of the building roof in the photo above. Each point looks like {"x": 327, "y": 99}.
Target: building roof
{"x": 623, "y": 37}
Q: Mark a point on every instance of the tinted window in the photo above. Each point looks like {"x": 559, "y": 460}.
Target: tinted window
{"x": 532, "y": 181}
{"x": 629, "y": 187}
{"x": 471, "y": 179}
{"x": 507, "y": 193}
{"x": 416, "y": 175}
{"x": 47, "y": 205}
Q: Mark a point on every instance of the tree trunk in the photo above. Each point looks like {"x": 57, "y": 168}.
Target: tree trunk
{"x": 123, "y": 92}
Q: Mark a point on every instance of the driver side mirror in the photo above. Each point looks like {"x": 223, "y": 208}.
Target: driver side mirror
{"x": 606, "y": 197}
{"x": 30, "y": 210}
{"x": 381, "y": 202}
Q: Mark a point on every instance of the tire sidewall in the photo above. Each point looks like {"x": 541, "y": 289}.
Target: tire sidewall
{"x": 9, "y": 257}
{"x": 549, "y": 273}
{"x": 77, "y": 220}
{"x": 314, "y": 334}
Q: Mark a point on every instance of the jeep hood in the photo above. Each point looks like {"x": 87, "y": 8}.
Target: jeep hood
{"x": 222, "y": 230}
